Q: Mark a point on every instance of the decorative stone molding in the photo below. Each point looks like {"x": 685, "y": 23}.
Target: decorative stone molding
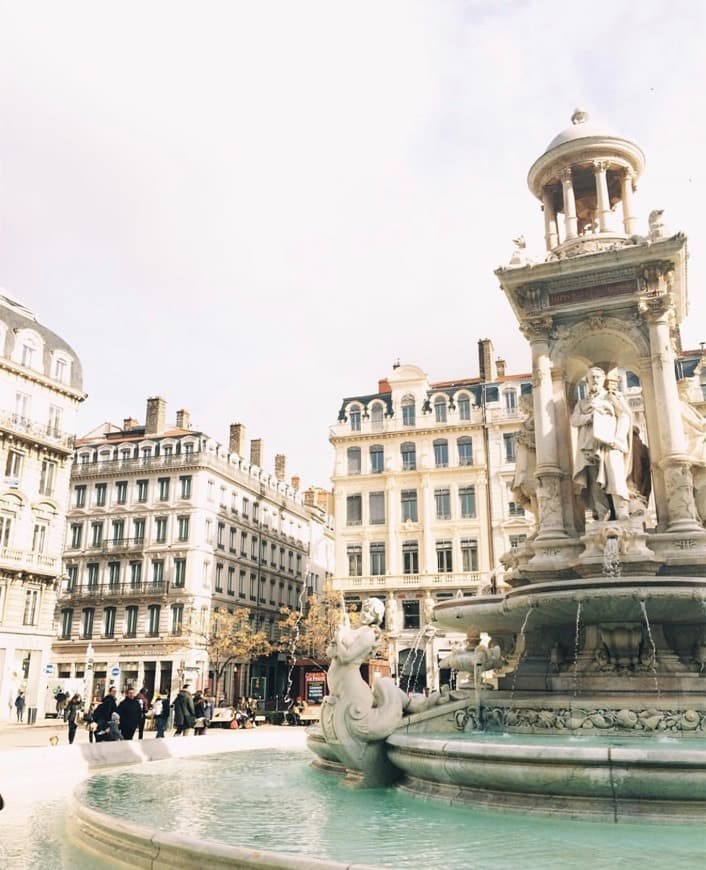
{"x": 680, "y": 493}
{"x": 598, "y": 719}
{"x": 537, "y": 328}
{"x": 628, "y": 330}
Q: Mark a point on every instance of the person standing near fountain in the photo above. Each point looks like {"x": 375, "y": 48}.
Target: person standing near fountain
{"x": 604, "y": 427}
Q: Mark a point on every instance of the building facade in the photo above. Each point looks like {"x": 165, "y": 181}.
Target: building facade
{"x": 40, "y": 390}
{"x": 424, "y": 503}
{"x": 164, "y": 526}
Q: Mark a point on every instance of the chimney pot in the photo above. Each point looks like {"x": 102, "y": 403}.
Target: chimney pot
{"x": 256, "y": 451}
{"x": 183, "y": 419}
{"x": 156, "y": 416}
{"x": 236, "y": 439}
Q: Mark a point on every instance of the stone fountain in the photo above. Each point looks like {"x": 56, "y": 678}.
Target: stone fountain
{"x": 598, "y": 647}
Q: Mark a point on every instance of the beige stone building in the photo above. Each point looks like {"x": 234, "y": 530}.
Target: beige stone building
{"x": 424, "y": 504}
{"x": 165, "y": 524}
{"x": 40, "y": 390}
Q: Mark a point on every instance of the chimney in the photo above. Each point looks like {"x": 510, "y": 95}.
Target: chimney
{"x": 500, "y": 366}
{"x": 384, "y": 386}
{"x": 280, "y": 466}
{"x": 183, "y": 419}
{"x": 296, "y": 483}
{"x": 256, "y": 451}
{"x": 486, "y": 366}
{"x": 130, "y": 423}
{"x": 236, "y": 439}
{"x": 156, "y": 416}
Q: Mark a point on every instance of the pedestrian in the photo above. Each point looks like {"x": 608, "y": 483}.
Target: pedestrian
{"x": 71, "y": 713}
{"x": 199, "y": 714}
{"x": 89, "y": 718}
{"x": 61, "y": 698}
{"x": 130, "y": 712}
{"x": 144, "y": 705}
{"x": 20, "y": 706}
{"x": 160, "y": 713}
{"x": 184, "y": 711}
{"x": 110, "y": 730}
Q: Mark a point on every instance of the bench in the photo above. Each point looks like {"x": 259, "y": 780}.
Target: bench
{"x": 311, "y": 715}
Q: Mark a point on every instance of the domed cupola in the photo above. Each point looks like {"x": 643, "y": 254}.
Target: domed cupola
{"x": 585, "y": 172}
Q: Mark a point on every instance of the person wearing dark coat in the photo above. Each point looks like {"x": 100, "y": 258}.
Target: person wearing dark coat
{"x": 184, "y": 714}
{"x": 130, "y": 712}
{"x": 104, "y": 710}
{"x": 71, "y": 713}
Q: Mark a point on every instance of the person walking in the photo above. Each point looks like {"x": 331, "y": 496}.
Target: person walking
{"x": 160, "y": 711}
{"x": 184, "y": 714}
{"x": 130, "y": 712}
{"x": 144, "y": 706}
{"x": 20, "y": 706}
{"x": 199, "y": 714}
{"x": 71, "y": 713}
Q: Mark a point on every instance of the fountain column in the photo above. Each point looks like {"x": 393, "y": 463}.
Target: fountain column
{"x": 570, "y": 219}
{"x": 627, "y": 180}
{"x": 656, "y": 306}
{"x": 551, "y": 232}
{"x": 602, "y": 197}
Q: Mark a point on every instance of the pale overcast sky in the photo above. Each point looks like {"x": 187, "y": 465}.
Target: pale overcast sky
{"x": 252, "y": 208}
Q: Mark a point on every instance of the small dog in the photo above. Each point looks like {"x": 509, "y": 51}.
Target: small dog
{"x": 54, "y": 740}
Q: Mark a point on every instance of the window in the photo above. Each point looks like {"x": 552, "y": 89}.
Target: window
{"x": 355, "y": 560}
{"x": 13, "y": 467}
{"x": 410, "y": 557}
{"x": 354, "y": 417}
{"x": 146, "y": 452}
{"x": 60, "y": 369}
{"x": 243, "y": 543}
{"x": 444, "y": 561}
{"x": 256, "y": 511}
{"x": 511, "y": 401}
{"x": 233, "y": 540}
{"x": 463, "y": 403}
{"x": 160, "y": 530}
{"x": 377, "y": 559}
{"x": 509, "y": 442}
{"x": 231, "y": 580}
{"x": 467, "y": 501}
{"x": 114, "y": 574}
{"x": 177, "y": 621}
{"x": 515, "y": 510}
{"x": 142, "y": 486}
{"x": 67, "y": 618}
{"x": 163, "y": 484}
{"x": 440, "y": 409}
{"x": 31, "y": 607}
{"x": 76, "y": 533}
{"x": 408, "y": 411}
{"x": 87, "y": 626}
{"x": 465, "y": 451}
{"x": 441, "y": 453}
{"x": 179, "y": 573}
{"x": 410, "y": 613}
{"x": 157, "y": 571}
{"x": 377, "y": 459}
{"x": 188, "y": 448}
{"x": 39, "y": 537}
{"x": 409, "y": 456}
{"x": 72, "y": 577}
{"x": 246, "y": 508}
{"x": 96, "y": 534}
{"x": 516, "y": 541}
{"x": 183, "y": 528}
{"x": 273, "y": 555}
{"x": 469, "y": 554}
{"x": 54, "y": 423}
{"x": 121, "y": 492}
{"x": 376, "y": 506}
{"x": 109, "y": 622}
{"x": 253, "y": 547}
{"x": 153, "y": 613}
{"x": 135, "y": 574}
{"x": 409, "y": 505}
{"x": 185, "y": 486}
{"x": 221, "y": 536}
{"x": 100, "y": 494}
{"x": 22, "y": 405}
{"x": 47, "y": 477}
{"x": 208, "y": 531}
{"x": 253, "y": 587}
{"x": 219, "y": 577}
{"x": 241, "y": 585}
{"x": 138, "y": 529}
{"x": 353, "y": 460}
{"x": 93, "y": 568}
{"x": 80, "y": 496}
{"x": 131, "y": 621}
{"x": 376, "y": 415}
{"x": 442, "y": 501}
{"x": 28, "y": 355}
{"x": 354, "y": 510}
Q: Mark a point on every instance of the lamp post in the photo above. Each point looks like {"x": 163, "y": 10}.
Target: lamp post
{"x": 88, "y": 678}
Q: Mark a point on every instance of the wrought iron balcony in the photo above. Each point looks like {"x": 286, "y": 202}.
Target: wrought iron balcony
{"x": 114, "y": 590}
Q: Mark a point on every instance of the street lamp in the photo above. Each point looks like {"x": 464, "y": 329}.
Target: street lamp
{"x": 88, "y": 678}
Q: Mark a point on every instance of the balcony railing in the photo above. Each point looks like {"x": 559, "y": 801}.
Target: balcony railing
{"x": 24, "y": 559}
{"x": 461, "y": 580}
{"x": 39, "y": 431}
{"x": 114, "y": 590}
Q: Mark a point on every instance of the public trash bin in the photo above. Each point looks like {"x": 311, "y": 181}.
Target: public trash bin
{"x": 31, "y": 715}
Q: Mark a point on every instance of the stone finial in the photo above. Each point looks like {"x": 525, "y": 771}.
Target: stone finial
{"x": 579, "y": 117}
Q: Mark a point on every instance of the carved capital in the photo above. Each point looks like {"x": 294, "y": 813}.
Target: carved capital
{"x": 537, "y": 329}
{"x": 655, "y": 279}
{"x": 566, "y": 175}
{"x": 600, "y": 166}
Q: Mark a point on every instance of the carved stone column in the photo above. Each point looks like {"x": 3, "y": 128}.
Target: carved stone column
{"x": 656, "y": 306}
{"x": 570, "y": 220}
{"x": 627, "y": 186}
{"x": 602, "y": 198}
{"x": 551, "y": 231}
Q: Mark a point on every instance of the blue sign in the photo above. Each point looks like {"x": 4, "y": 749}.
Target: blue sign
{"x": 49, "y": 669}
{"x": 115, "y": 671}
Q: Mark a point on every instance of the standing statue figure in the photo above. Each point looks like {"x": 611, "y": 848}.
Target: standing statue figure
{"x": 604, "y": 432}
{"x": 695, "y": 436}
{"x": 524, "y": 483}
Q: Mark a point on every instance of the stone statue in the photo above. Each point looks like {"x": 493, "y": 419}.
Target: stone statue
{"x": 428, "y": 609}
{"x": 639, "y": 478}
{"x": 391, "y": 613}
{"x": 656, "y": 225}
{"x": 604, "y": 428}
{"x": 524, "y": 483}
{"x": 481, "y": 659}
{"x": 695, "y": 436}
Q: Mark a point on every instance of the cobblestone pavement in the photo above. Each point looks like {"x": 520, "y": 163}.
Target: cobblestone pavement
{"x": 14, "y": 735}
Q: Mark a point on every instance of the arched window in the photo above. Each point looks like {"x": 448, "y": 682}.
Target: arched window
{"x": 353, "y": 457}
{"x": 441, "y": 453}
{"x": 408, "y": 411}
{"x": 440, "y": 409}
{"x": 463, "y": 403}
{"x": 465, "y": 450}
{"x": 29, "y": 350}
{"x": 376, "y": 415}
{"x": 354, "y": 417}
{"x": 377, "y": 458}
{"x": 409, "y": 456}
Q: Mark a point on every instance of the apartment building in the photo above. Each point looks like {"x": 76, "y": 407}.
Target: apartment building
{"x": 40, "y": 390}
{"x": 165, "y": 525}
{"x": 423, "y": 500}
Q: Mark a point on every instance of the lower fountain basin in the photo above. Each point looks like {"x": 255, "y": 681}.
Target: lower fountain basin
{"x": 603, "y": 779}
